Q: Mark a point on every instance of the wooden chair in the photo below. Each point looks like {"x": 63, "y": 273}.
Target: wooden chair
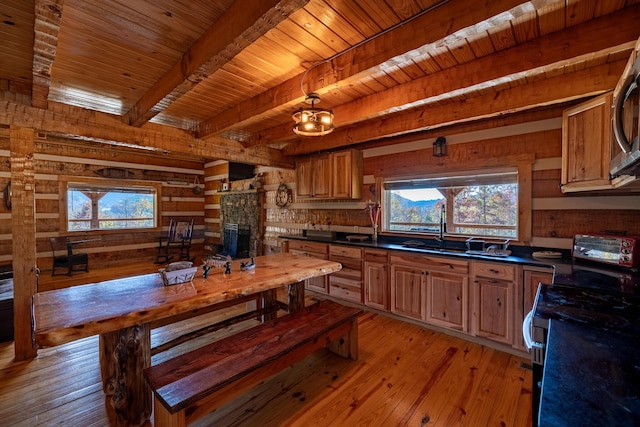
{"x": 69, "y": 261}
{"x": 178, "y": 239}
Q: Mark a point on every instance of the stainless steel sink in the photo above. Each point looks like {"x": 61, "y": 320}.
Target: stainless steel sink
{"x": 427, "y": 247}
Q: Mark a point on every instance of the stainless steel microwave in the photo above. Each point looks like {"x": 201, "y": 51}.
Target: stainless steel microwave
{"x": 622, "y": 251}
{"x": 626, "y": 123}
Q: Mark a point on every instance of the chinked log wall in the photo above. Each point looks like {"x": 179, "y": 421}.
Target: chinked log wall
{"x": 555, "y": 217}
{"x": 55, "y": 160}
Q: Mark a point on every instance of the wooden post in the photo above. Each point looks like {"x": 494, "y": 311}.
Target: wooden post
{"x": 268, "y": 300}
{"x": 124, "y": 354}
{"x": 295, "y": 293}
{"x": 23, "y": 225}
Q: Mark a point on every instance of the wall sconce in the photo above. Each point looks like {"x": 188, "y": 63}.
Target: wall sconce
{"x": 440, "y": 147}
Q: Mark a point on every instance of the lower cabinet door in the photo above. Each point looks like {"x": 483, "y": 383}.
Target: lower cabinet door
{"x": 408, "y": 291}
{"x": 493, "y": 309}
{"x": 448, "y": 300}
{"x": 376, "y": 289}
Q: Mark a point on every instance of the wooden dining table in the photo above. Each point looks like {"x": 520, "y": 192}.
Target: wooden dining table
{"x": 122, "y": 311}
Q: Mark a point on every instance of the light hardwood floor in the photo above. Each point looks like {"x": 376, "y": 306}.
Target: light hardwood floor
{"x": 406, "y": 375}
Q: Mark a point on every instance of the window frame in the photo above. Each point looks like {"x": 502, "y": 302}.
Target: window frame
{"x": 523, "y": 167}
{"x": 65, "y": 182}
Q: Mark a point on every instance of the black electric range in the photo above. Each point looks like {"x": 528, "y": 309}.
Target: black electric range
{"x": 589, "y": 322}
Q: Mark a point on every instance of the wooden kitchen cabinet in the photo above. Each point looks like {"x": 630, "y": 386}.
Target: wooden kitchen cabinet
{"x": 587, "y": 145}
{"x": 447, "y": 300}
{"x": 330, "y": 176}
{"x": 375, "y": 279}
{"x": 347, "y": 174}
{"x": 346, "y": 283}
{"x": 494, "y": 301}
{"x": 408, "y": 293}
{"x": 315, "y": 250}
{"x": 313, "y": 177}
{"x": 416, "y": 294}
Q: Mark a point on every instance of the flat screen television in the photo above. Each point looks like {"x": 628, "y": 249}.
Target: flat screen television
{"x": 240, "y": 171}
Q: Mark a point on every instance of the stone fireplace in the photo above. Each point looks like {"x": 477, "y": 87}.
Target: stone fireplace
{"x": 241, "y": 218}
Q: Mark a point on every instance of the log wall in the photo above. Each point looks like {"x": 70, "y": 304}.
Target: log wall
{"x": 55, "y": 160}
{"x": 555, "y": 217}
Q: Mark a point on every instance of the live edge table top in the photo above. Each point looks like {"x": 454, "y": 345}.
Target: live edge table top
{"x": 65, "y": 315}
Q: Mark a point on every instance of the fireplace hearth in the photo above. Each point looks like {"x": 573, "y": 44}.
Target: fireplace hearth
{"x": 236, "y": 241}
{"x": 241, "y": 224}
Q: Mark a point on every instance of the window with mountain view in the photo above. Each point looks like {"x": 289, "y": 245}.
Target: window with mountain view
{"x": 478, "y": 204}
{"x": 102, "y": 207}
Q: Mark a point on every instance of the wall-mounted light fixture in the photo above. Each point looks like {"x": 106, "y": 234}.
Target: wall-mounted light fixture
{"x": 440, "y": 147}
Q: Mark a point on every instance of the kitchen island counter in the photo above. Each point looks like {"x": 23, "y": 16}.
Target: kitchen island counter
{"x": 591, "y": 376}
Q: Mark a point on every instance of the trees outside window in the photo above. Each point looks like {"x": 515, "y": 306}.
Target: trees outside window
{"x": 100, "y": 207}
{"x": 478, "y": 204}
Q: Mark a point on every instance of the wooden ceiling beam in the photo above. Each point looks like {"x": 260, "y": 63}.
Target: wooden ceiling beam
{"x": 377, "y": 53}
{"x": 241, "y": 25}
{"x": 560, "y": 88}
{"x": 76, "y": 122}
{"x": 535, "y": 58}
{"x": 48, "y": 14}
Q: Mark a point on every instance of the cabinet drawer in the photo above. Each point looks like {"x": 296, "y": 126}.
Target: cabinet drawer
{"x": 350, "y": 290}
{"x": 429, "y": 263}
{"x": 494, "y": 270}
{"x": 375, "y": 256}
{"x": 311, "y": 247}
{"x": 345, "y": 251}
{"x": 348, "y": 263}
{"x": 309, "y": 254}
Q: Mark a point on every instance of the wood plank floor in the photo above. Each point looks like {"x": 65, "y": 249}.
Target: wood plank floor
{"x": 406, "y": 375}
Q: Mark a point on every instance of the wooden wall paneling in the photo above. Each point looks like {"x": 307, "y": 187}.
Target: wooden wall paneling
{"x": 525, "y": 184}
{"x": 567, "y": 223}
{"x": 214, "y": 174}
{"x": 485, "y": 153}
{"x": 546, "y": 183}
{"x": 24, "y": 226}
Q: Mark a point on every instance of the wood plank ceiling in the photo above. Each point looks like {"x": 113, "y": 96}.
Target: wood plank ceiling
{"x": 189, "y": 75}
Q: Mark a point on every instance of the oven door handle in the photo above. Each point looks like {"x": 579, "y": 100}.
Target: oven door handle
{"x": 526, "y": 330}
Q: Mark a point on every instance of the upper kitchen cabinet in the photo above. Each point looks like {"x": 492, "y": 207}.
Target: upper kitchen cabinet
{"x": 586, "y": 145}
{"x": 330, "y": 176}
{"x": 313, "y": 177}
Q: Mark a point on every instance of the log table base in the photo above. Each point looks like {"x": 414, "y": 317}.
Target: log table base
{"x": 124, "y": 354}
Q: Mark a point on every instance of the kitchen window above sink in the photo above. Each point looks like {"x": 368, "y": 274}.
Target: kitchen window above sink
{"x": 482, "y": 204}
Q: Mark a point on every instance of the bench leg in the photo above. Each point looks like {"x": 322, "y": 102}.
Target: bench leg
{"x": 347, "y": 345}
{"x": 163, "y": 418}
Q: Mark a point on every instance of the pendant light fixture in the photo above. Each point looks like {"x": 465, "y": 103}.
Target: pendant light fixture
{"x": 313, "y": 121}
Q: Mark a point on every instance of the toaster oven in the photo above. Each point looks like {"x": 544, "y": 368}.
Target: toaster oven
{"x": 621, "y": 251}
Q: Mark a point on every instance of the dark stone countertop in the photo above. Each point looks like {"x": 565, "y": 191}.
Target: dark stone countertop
{"x": 589, "y": 307}
{"x": 592, "y": 360}
{"x": 453, "y": 248}
{"x": 591, "y": 377}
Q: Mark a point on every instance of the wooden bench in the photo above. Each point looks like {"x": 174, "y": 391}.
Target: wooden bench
{"x": 191, "y": 385}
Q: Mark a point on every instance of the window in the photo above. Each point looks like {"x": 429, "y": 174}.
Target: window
{"x": 483, "y": 204}
{"x": 110, "y": 207}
